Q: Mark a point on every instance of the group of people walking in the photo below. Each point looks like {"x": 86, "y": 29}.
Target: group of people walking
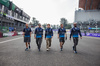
{"x": 62, "y": 35}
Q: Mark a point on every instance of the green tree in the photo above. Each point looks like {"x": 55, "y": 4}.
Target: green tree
{"x": 53, "y": 26}
{"x": 44, "y": 25}
{"x": 68, "y": 26}
{"x": 64, "y": 22}
{"x": 35, "y": 22}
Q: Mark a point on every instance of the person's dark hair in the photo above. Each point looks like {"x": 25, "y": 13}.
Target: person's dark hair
{"x": 48, "y": 24}
{"x": 39, "y": 24}
{"x": 61, "y": 24}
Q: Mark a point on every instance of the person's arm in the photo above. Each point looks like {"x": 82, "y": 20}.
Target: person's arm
{"x": 80, "y": 34}
{"x": 35, "y": 33}
{"x": 52, "y": 33}
{"x": 42, "y": 36}
{"x": 65, "y": 34}
{"x": 23, "y": 34}
{"x": 45, "y": 34}
{"x": 71, "y": 34}
{"x": 42, "y": 33}
{"x": 58, "y": 33}
{"x": 30, "y": 32}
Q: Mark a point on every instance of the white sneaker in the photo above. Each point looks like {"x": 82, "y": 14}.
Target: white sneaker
{"x": 47, "y": 49}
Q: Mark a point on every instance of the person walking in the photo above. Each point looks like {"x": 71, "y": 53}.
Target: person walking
{"x": 38, "y": 35}
{"x": 61, "y": 36}
{"x": 48, "y": 36}
{"x": 27, "y": 36}
{"x": 75, "y": 31}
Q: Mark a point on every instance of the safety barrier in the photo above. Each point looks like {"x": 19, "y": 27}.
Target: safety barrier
{"x": 10, "y": 34}
{"x": 91, "y": 34}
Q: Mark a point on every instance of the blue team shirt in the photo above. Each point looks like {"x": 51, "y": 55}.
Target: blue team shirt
{"x": 39, "y": 32}
{"x": 61, "y": 32}
{"x": 48, "y": 33}
{"x": 27, "y": 31}
{"x": 75, "y": 31}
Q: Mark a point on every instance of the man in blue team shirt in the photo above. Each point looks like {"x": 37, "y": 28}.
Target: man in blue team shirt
{"x": 27, "y": 36}
{"x": 61, "y": 35}
{"x": 38, "y": 35}
{"x": 48, "y": 36}
{"x": 74, "y": 33}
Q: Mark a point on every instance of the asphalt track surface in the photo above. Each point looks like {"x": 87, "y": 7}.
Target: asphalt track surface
{"x": 12, "y": 53}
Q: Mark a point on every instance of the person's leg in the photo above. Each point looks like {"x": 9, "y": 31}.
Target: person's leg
{"x": 61, "y": 44}
{"x": 76, "y": 44}
{"x": 26, "y": 44}
{"x": 25, "y": 40}
{"x": 29, "y": 40}
{"x": 29, "y": 45}
{"x": 60, "y": 40}
{"x": 39, "y": 44}
{"x": 63, "y": 40}
{"x": 37, "y": 39}
{"x": 47, "y": 41}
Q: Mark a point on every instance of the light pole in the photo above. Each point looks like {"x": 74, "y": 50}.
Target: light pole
{"x": 96, "y": 26}
{"x": 89, "y": 27}
{"x": 81, "y": 25}
{"x": 1, "y": 22}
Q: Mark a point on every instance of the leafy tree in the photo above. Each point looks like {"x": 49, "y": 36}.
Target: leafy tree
{"x": 44, "y": 25}
{"x": 35, "y": 22}
{"x": 68, "y": 26}
{"x": 64, "y": 22}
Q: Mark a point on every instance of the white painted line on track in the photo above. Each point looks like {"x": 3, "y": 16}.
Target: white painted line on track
{"x": 10, "y": 40}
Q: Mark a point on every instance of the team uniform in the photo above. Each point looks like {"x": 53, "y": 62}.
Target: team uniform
{"x": 27, "y": 34}
{"x": 75, "y": 32}
{"x": 39, "y": 33}
{"x": 48, "y": 36}
{"x": 61, "y": 32}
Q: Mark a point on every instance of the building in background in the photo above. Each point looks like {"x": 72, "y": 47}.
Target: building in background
{"x": 11, "y": 16}
{"x": 88, "y": 16}
{"x": 89, "y": 4}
